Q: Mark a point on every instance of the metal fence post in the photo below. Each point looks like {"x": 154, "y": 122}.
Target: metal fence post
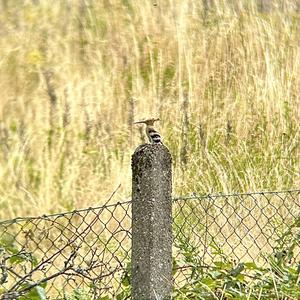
{"x": 151, "y": 223}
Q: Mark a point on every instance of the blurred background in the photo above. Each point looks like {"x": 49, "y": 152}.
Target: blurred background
{"x": 222, "y": 75}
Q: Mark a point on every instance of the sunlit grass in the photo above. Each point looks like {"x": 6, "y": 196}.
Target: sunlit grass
{"x": 225, "y": 84}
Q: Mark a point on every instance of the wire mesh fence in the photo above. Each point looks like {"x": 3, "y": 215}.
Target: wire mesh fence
{"x": 67, "y": 255}
{"x": 235, "y": 229}
{"x": 85, "y": 254}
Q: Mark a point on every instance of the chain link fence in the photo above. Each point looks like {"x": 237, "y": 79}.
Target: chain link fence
{"x": 85, "y": 254}
{"x": 237, "y": 228}
{"x": 74, "y": 255}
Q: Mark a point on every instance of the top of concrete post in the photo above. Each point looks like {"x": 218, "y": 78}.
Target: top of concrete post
{"x": 151, "y": 152}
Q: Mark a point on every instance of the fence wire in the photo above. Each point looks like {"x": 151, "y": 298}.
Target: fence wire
{"x": 85, "y": 254}
{"x": 78, "y": 255}
{"x": 237, "y": 228}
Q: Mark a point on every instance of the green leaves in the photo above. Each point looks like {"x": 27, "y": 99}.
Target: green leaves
{"x": 223, "y": 278}
{"x": 81, "y": 294}
{"x": 36, "y": 293}
{"x": 12, "y": 255}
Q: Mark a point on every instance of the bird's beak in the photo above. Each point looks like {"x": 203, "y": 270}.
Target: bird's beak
{"x": 139, "y": 122}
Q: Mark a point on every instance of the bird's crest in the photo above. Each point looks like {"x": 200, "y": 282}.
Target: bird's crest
{"x": 149, "y": 122}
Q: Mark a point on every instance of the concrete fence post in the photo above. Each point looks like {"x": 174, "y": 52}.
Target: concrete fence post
{"x": 151, "y": 223}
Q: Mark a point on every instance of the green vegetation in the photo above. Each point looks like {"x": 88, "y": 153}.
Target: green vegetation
{"x": 223, "y": 278}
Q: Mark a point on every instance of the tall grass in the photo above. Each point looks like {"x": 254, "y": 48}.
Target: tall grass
{"x": 224, "y": 79}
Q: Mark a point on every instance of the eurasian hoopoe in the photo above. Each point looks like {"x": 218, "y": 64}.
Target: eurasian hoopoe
{"x": 153, "y": 136}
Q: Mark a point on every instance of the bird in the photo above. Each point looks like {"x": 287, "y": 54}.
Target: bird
{"x": 153, "y": 136}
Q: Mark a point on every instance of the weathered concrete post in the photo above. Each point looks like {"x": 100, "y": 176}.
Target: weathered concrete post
{"x": 151, "y": 223}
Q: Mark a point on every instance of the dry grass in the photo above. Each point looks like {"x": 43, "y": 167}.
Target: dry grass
{"x": 74, "y": 74}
